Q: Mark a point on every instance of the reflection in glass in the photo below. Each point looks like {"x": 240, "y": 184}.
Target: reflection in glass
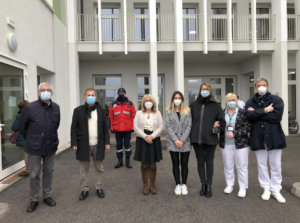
{"x": 229, "y": 85}
{"x": 292, "y": 75}
{"x": 292, "y": 99}
{"x": 141, "y": 94}
{"x": 251, "y": 92}
{"x": 108, "y": 81}
{"x": 147, "y": 80}
{"x": 199, "y": 81}
{"x": 189, "y": 24}
{"x": 192, "y": 93}
{"x": 251, "y": 79}
{"x": 11, "y": 92}
{"x": 106, "y": 98}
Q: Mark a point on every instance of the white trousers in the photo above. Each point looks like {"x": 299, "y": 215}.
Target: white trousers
{"x": 232, "y": 155}
{"x": 274, "y": 183}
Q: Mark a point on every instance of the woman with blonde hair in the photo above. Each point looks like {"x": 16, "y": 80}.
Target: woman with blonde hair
{"x": 148, "y": 125}
{"x": 204, "y": 137}
{"x": 178, "y": 126}
{"x": 234, "y": 145}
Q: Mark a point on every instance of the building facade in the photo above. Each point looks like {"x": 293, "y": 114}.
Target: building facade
{"x": 152, "y": 46}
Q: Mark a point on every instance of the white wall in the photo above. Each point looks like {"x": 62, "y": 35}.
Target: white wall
{"x": 41, "y": 43}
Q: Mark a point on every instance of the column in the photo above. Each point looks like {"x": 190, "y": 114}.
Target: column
{"x": 178, "y": 55}
{"x": 253, "y": 25}
{"x": 100, "y": 27}
{"x": 229, "y": 25}
{"x": 279, "y": 58}
{"x": 297, "y": 12}
{"x": 204, "y": 8}
{"x": 153, "y": 49}
{"x": 73, "y": 60}
{"x": 125, "y": 26}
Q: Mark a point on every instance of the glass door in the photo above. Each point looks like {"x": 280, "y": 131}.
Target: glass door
{"x": 11, "y": 91}
{"x": 193, "y": 84}
{"x": 189, "y": 24}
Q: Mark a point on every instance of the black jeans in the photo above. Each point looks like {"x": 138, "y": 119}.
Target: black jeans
{"x": 184, "y": 166}
{"x": 205, "y": 155}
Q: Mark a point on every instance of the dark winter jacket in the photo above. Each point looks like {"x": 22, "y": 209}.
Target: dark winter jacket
{"x": 38, "y": 125}
{"x": 80, "y": 133}
{"x": 241, "y": 129}
{"x": 274, "y": 136}
{"x": 14, "y": 127}
{"x": 203, "y": 119}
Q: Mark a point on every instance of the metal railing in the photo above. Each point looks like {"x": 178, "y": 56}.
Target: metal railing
{"x": 293, "y": 27}
{"x": 111, "y": 25}
{"x": 217, "y": 27}
{"x": 138, "y": 27}
{"x": 192, "y": 27}
{"x": 165, "y": 27}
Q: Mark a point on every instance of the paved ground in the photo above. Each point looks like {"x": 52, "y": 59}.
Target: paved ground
{"x": 124, "y": 201}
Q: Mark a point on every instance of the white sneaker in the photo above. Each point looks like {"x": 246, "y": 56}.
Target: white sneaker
{"x": 228, "y": 190}
{"x": 266, "y": 195}
{"x": 279, "y": 197}
{"x": 242, "y": 193}
{"x": 178, "y": 190}
{"x": 184, "y": 190}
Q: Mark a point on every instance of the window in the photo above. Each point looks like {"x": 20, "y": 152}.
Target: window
{"x": 107, "y": 90}
{"x": 111, "y": 28}
{"x": 262, "y": 23}
{"x": 189, "y": 24}
{"x": 292, "y": 92}
{"x": 143, "y": 82}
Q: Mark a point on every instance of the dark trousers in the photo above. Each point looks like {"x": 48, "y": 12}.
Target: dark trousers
{"x": 205, "y": 155}
{"x": 35, "y": 167}
{"x": 184, "y": 159}
{"x": 126, "y": 137}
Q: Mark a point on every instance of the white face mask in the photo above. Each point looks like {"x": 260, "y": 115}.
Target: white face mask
{"x": 148, "y": 105}
{"x": 177, "y": 102}
{"x": 262, "y": 90}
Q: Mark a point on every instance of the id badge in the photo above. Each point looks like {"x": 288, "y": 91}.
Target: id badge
{"x": 229, "y": 128}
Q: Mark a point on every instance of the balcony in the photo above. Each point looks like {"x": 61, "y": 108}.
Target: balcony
{"x": 138, "y": 28}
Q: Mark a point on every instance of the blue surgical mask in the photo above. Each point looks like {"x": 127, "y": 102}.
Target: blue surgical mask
{"x": 90, "y": 100}
{"x": 205, "y": 94}
{"x": 46, "y": 96}
{"x": 231, "y": 104}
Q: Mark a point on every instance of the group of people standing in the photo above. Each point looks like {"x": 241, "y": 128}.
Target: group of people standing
{"x": 203, "y": 125}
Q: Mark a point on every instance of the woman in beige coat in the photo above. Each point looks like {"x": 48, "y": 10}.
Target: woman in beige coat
{"x": 148, "y": 125}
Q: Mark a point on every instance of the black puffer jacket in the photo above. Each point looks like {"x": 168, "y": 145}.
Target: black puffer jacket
{"x": 274, "y": 135}
{"x": 203, "y": 119}
{"x": 38, "y": 125}
{"x": 241, "y": 129}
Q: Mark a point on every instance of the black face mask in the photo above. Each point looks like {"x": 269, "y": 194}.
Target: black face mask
{"x": 121, "y": 96}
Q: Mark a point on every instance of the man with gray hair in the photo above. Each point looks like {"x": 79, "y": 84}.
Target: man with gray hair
{"x": 264, "y": 112}
{"x": 38, "y": 125}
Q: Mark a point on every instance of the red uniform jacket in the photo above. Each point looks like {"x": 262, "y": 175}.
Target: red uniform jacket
{"x": 121, "y": 116}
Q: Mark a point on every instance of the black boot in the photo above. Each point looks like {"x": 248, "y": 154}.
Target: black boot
{"x": 203, "y": 190}
{"x": 208, "y": 191}
{"x": 128, "y": 165}
{"x": 119, "y": 164}
{"x": 31, "y": 208}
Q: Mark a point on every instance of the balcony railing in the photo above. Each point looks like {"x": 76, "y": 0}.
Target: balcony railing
{"x": 192, "y": 27}
{"x": 138, "y": 27}
{"x": 293, "y": 27}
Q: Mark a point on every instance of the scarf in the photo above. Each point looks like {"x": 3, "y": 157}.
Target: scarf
{"x": 90, "y": 109}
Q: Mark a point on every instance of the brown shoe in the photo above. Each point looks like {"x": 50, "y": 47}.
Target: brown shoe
{"x": 24, "y": 174}
{"x": 145, "y": 171}
{"x": 152, "y": 174}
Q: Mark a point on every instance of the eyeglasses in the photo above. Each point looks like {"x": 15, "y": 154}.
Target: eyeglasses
{"x": 205, "y": 89}
{"x": 44, "y": 90}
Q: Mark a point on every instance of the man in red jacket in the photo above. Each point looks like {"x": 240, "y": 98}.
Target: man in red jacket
{"x": 121, "y": 116}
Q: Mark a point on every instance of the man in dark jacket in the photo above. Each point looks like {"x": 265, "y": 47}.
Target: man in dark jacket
{"x": 267, "y": 139}
{"x": 90, "y": 137}
{"x": 38, "y": 125}
{"x": 20, "y": 139}
{"x": 121, "y": 118}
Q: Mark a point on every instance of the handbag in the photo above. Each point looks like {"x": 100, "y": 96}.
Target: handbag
{"x": 13, "y": 137}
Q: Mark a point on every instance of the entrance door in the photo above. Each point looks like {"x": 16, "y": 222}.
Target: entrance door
{"x": 192, "y": 86}
{"x": 11, "y": 91}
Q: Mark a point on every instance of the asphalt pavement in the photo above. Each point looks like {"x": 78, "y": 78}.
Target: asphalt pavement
{"x": 124, "y": 201}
